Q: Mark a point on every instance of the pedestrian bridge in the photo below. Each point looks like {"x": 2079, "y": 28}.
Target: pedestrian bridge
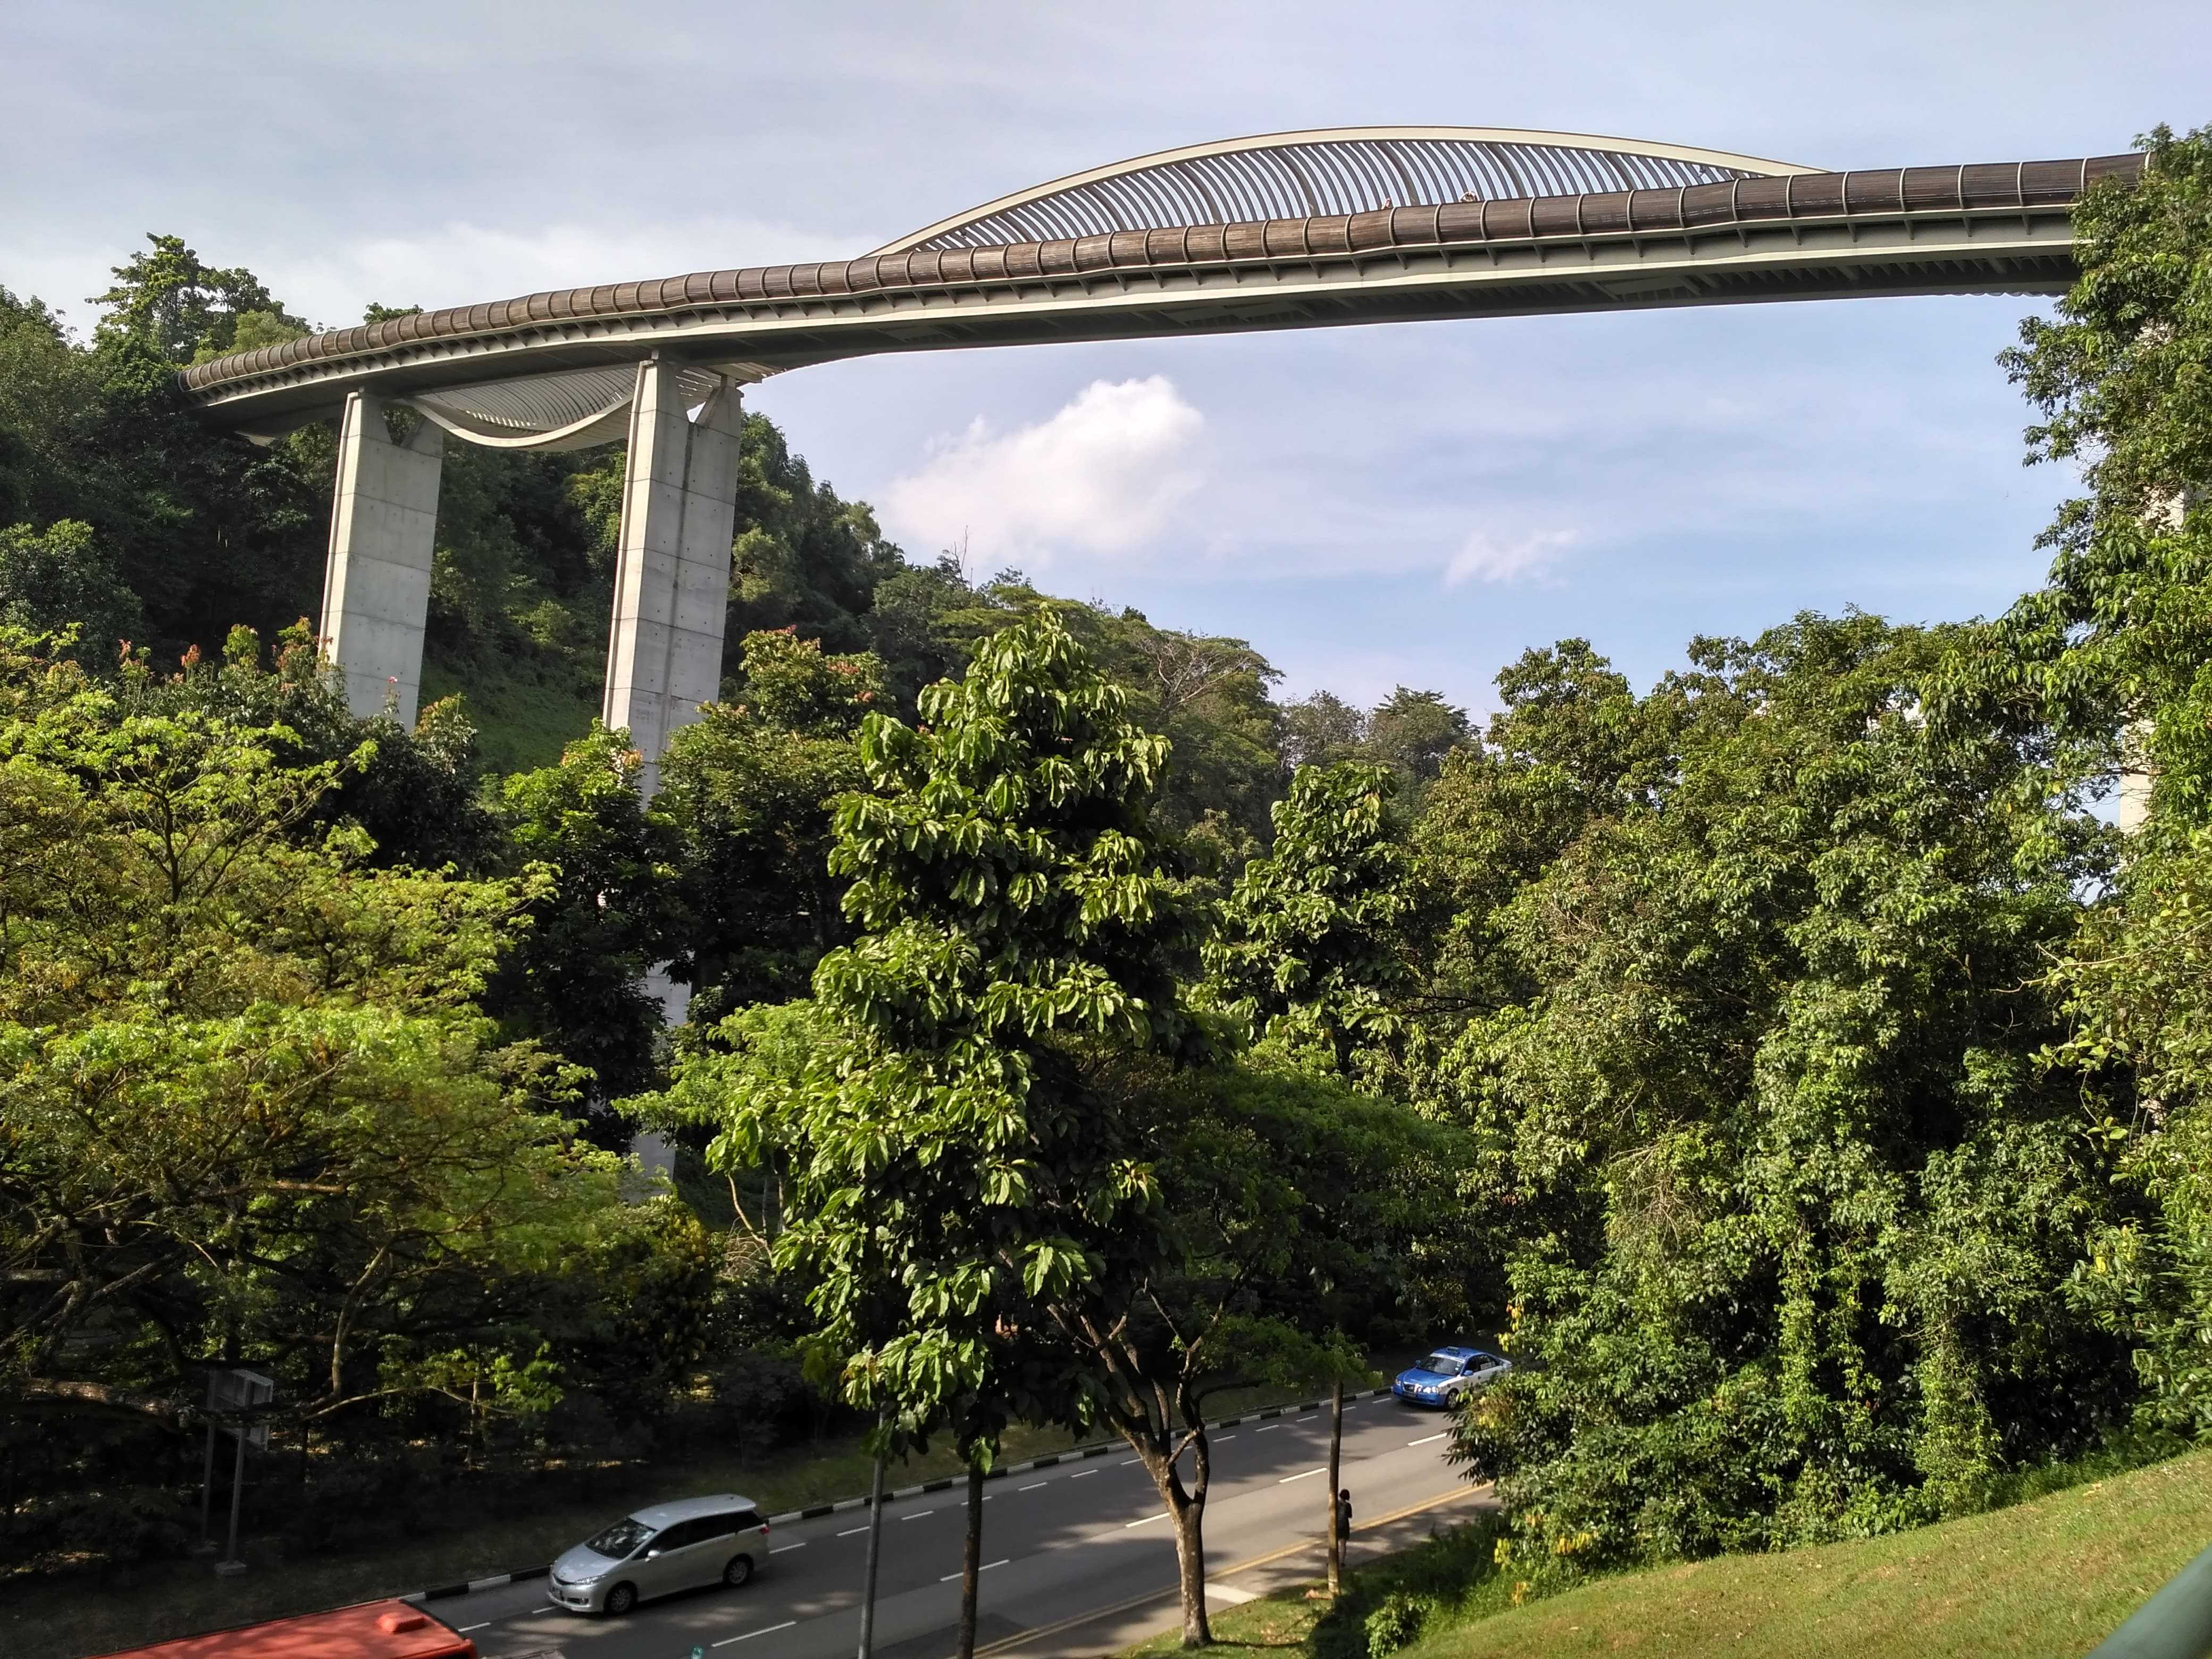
{"x": 1291, "y": 230}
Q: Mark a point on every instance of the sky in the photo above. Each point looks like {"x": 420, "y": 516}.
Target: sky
{"x": 1405, "y": 504}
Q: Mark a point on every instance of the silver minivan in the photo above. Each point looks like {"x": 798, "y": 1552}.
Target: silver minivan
{"x": 660, "y": 1550}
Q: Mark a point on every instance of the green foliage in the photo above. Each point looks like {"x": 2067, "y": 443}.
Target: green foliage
{"x": 608, "y": 914}
{"x": 2139, "y": 988}
{"x": 1308, "y": 944}
{"x": 63, "y": 578}
{"x": 1207, "y": 695}
{"x": 1570, "y": 744}
{"x": 2120, "y": 635}
{"x": 246, "y": 1105}
{"x": 1788, "y": 1203}
{"x": 414, "y": 793}
{"x": 749, "y": 788}
{"x": 1414, "y": 731}
{"x": 1004, "y": 882}
{"x": 189, "y": 310}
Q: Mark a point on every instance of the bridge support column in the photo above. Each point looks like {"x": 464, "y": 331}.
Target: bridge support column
{"x": 673, "y": 575}
{"x": 376, "y": 584}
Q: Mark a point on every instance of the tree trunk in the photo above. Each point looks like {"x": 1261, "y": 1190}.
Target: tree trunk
{"x": 971, "y": 1560}
{"x": 1335, "y": 1508}
{"x": 1188, "y": 1515}
{"x": 875, "y": 1553}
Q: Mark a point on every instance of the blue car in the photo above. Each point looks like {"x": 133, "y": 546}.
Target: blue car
{"x": 1447, "y": 1374}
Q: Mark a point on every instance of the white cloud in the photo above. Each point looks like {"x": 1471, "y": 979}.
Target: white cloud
{"x": 1103, "y": 474}
{"x": 1483, "y": 558}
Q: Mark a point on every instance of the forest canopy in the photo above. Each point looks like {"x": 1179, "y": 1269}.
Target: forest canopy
{"x": 1791, "y": 1065}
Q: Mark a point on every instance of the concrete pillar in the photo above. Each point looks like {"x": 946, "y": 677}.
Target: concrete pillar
{"x": 672, "y": 574}
{"x": 376, "y": 584}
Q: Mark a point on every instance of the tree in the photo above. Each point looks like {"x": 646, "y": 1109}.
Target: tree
{"x": 1322, "y": 730}
{"x": 1571, "y": 744}
{"x": 2112, "y": 651}
{"x": 1789, "y": 1205}
{"x": 1413, "y": 731}
{"x": 1309, "y": 943}
{"x": 749, "y": 788}
{"x": 63, "y": 578}
{"x": 949, "y": 1171}
{"x": 610, "y": 913}
{"x": 189, "y": 310}
{"x": 249, "y": 1108}
{"x": 1295, "y": 1219}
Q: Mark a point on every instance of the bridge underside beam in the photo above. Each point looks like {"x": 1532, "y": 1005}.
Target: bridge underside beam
{"x": 672, "y": 574}
{"x": 376, "y": 584}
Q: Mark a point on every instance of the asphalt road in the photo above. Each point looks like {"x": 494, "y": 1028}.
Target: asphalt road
{"x": 1059, "y": 1544}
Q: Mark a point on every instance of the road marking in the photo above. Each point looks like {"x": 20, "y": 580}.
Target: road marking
{"x": 1231, "y": 1594}
{"x": 1270, "y": 1429}
{"x": 765, "y": 1630}
{"x": 1162, "y": 1515}
{"x": 1040, "y": 1632}
{"x": 1033, "y": 1486}
{"x": 1308, "y": 1417}
{"x": 1127, "y": 1461}
{"x": 1080, "y": 1473}
{"x": 1428, "y": 1440}
{"x": 465, "y": 1629}
{"x": 1308, "y": 1475}
{"x": 1219, "y": 1438}
{"x": 918, "y": 1515}
{"x": 1001, "y": 1562}
{"x": 852, "y": 1532}
{"x": 785, "y": 1549}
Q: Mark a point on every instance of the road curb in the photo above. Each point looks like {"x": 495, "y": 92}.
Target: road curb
{"x": 1074, "y": 1454}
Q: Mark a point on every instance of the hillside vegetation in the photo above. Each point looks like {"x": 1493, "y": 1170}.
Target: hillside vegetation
{"x": 1790, "y": 1058}
{"x": 2040, "y": 1580}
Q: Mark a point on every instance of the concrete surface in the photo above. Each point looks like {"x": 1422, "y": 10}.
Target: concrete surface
{"x": 1079, "y": 1559}
{"x": 376, "y": 584}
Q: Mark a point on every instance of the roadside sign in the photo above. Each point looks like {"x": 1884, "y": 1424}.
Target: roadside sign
{"x": 232, "y": 1391}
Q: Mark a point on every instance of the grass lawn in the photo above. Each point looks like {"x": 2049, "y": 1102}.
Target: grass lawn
{"x": 2054, "y": 1577}
{"x": 68, "y": 1617}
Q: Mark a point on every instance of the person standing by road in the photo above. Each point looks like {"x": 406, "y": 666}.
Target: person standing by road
{"x": 1344, "y": 1513}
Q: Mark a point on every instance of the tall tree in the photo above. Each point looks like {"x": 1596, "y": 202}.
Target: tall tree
{"x": 2112, "y": 650}
{"x": 1789, "y": 1205}
{"x": 1310, "y": 943}
{"x": 945, "y": 1161}
{"x": 750, "y": 789}
{"x": 609, "y": 912}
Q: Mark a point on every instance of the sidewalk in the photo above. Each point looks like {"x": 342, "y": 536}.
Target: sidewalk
{"x": 1109, "y": 1629}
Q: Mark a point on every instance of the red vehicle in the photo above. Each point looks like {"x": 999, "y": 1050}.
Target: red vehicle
{"x": 371, "y": 1630}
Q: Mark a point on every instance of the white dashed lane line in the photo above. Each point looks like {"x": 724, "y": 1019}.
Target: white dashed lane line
{"x": 1144, "y": 1520}
{"x": 852, "y": 1532}
{"x": 785, "y": 1549}
{"x": 1126, "y": 1462}
{"x": 1428, "y": 1440}
{"x": 919, "y": 1514}
{"x": 1035, "y": 1485}
{"x": 465, "y": 1629}
{"x": 1308, "y": 1475}
{"x": 1080, "y": 1473}
{"x": 985, "y": 1567}
{"x": 1270, "y": 1429}
{"x": 1219, "y": 1438}
{"x": 765, "y": 1630}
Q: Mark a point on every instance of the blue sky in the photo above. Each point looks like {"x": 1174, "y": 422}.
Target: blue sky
{"x": 1411, "y": 503}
